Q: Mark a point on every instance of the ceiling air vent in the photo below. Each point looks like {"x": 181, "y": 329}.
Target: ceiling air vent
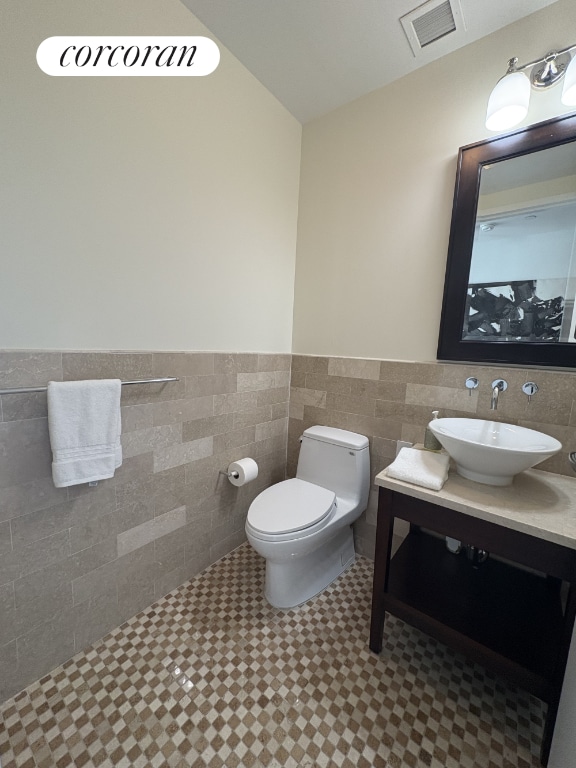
{"x": 431, "y": 22}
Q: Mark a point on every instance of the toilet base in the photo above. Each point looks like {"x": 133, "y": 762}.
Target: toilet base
{"x": 293, "y": 582}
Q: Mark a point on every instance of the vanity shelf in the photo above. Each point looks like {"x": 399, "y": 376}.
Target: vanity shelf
{"x": 508, "y": 614}
{"x": 500, "y": 615}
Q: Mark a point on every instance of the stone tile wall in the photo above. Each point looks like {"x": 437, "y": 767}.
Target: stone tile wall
{"x": 77, "y": 562}
{"x": 390, "y": 401}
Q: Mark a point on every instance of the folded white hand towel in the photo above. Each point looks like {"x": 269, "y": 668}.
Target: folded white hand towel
{"x": 423, "y": 468}
{"x": 85, "y": 425}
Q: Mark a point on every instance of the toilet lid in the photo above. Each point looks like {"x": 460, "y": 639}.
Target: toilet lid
{"x": 290, "y": 506}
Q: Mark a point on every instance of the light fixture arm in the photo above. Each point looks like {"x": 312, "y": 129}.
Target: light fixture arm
{"x": 555, "y": 64}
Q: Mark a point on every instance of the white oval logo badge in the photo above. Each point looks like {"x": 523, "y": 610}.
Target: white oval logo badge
{"x": 87, "y": 56}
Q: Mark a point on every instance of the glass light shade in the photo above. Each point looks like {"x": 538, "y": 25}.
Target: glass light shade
{"x": 508, "y": 102}
{"x": 569, "y": 88}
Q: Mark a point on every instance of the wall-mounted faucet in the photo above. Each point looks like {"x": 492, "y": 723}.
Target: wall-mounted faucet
{"x": 498, "y": 385}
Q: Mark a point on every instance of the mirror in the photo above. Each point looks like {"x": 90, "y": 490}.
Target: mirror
{"x": 510, "y": 283}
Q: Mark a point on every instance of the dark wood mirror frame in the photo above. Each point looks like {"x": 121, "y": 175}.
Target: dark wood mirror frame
{"x": 471, "y": 159}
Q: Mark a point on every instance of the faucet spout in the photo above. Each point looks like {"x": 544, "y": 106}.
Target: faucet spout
{"x": 494, "y": 398}
{"x": 499, "y": 385}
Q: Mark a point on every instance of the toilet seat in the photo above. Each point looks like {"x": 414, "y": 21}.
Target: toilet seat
{"x": 289, "y": 507}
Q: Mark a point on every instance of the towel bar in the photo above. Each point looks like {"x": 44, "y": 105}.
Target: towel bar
{"x": 22, "y": 390}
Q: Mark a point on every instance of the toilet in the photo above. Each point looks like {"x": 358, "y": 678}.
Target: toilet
{"x": 303, "y": 526}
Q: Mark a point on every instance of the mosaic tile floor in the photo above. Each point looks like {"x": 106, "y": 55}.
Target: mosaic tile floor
{"x": 211, "y": 675}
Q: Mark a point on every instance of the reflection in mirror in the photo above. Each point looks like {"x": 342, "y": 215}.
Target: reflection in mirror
{"x": 522, "y": 280}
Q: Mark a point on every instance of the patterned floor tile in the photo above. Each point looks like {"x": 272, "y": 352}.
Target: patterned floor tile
{"x": 211, "y": 675}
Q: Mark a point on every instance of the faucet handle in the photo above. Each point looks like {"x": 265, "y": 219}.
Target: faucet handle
{"x": 471, "y": 383}
{"x": 529, "y": 388}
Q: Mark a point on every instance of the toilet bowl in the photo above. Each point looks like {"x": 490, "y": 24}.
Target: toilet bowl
{"x": 303, "y": 526}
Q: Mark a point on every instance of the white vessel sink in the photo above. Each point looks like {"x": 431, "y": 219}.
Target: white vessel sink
{"x": 492, "y": 452}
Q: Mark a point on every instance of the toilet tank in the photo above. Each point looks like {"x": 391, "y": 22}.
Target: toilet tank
{"x": 338, "y": 460}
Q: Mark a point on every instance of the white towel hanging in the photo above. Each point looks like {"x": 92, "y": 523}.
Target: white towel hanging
{"x": 85, "y": 425}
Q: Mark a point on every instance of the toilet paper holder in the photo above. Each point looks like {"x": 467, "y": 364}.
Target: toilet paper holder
{"x": 241, "y": 471}
{"x": 233, "y": 474}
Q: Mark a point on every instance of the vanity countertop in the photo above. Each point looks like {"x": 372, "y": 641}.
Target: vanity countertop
{"x": 538, "y": 503}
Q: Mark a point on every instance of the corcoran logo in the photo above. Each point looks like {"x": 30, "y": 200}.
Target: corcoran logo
{"x": 128, "y": 56}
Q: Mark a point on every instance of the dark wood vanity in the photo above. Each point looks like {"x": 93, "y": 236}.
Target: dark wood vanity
{"x": 516, "y": 621}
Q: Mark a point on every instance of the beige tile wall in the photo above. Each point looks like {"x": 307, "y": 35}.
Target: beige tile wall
{"x": 390, "y": 401}
{"x": 77, "y": 562}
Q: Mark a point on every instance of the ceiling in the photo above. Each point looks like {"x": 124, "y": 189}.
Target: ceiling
{"x": 315, "y": 55}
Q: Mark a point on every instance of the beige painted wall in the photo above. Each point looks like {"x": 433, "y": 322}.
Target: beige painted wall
{"x": 547, "y": 192}
{"x": 141, "y": 213}
{"x": 377, "y": 182}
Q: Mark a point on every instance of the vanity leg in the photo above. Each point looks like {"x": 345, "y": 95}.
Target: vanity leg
{"x": 382, "y": 553}
{"x": 558, "y": 678}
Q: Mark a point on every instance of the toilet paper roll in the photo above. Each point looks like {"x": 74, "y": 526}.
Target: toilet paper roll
{"x": 242, "y": 471}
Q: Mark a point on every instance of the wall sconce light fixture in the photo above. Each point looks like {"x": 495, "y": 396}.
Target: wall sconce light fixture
{"x": 508, "y": 102}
